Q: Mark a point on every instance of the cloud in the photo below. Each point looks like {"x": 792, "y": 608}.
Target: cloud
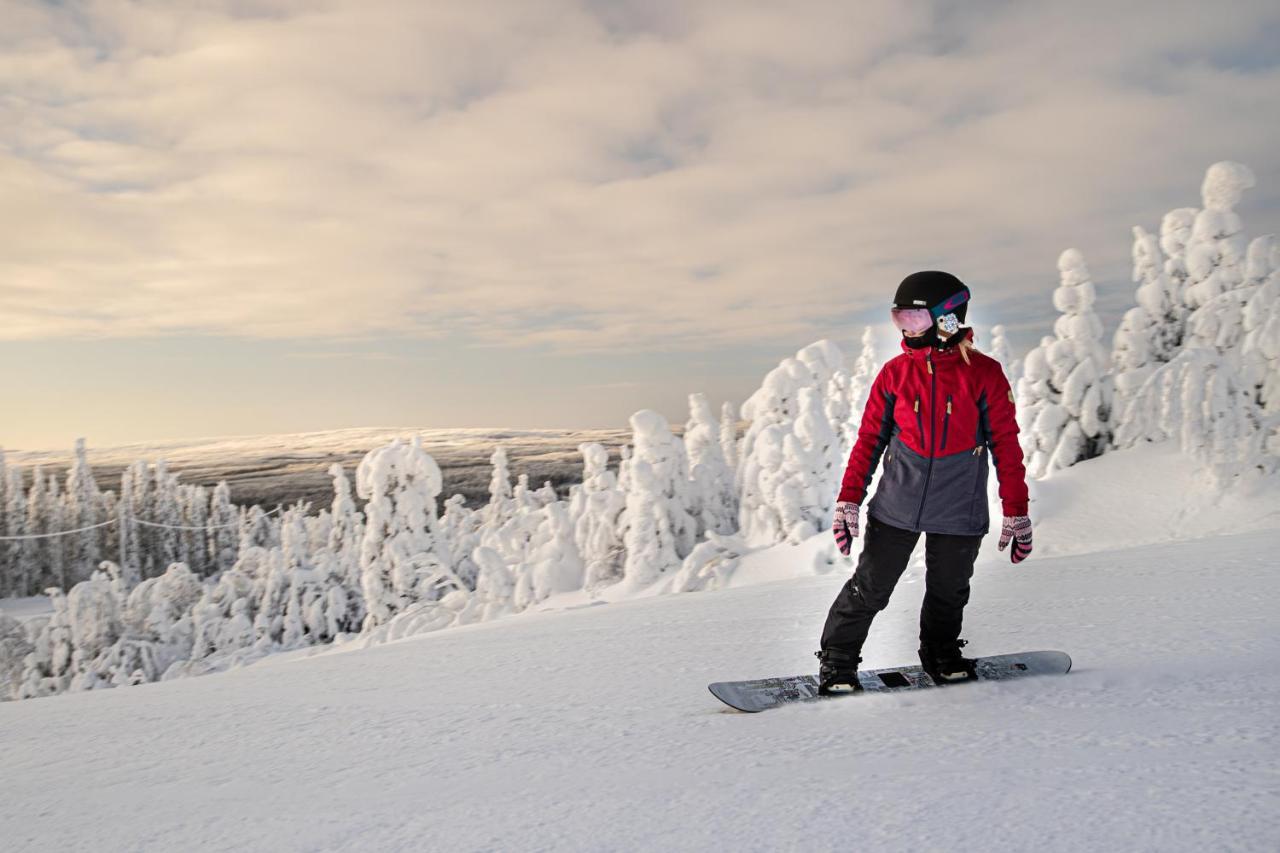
{"x": 587, "y": 176}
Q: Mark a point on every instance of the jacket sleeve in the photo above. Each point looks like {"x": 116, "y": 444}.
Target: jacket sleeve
{"x": 1006, "y": 453}
{"x": 874, "y": 433}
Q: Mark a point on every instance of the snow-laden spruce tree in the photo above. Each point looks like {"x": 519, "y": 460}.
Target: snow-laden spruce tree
{"x": 460, "y": 534}
{"x": 1216, "y": 251}
{"x": 164, "y": 509}
{"x": 501, "y": 504}
{"x": 555, "y": 562}
{"x": 1209, "y": 396}
{"x": 1175, "y": 235}
{"x": 96, "y": 622}
{"x": 773, "y": 470}
{"x": 863, "y": 374}
{"x": 1260, "y": 348}
{"x": 1002, "y": 353}
{"x": 657, "y": 528}
{"x": 1065, "y": 393}
{"x": 494, "y": 594}
{"x": 35, "y": 559}
{"x": 713, "y": 501}
{"x": 193, "y": 538}
{"x": 224, "y": 524}
{"x": 14, "y": 648}
{"x": 710, "y": 564}
{"x": 84, "y": 549}
{"x": 597, "y": 506}
{"x": 15, "y": 525}
{"x": 812, "y": 463}
{"x": 729, "y": 439}
{"x": 1151, "y": 332}
{"x": 398, "y": 560}
{"x": 56, "y": 555}
{"x": 345, "y": 537}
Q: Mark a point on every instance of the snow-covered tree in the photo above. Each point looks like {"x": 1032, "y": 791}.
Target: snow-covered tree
{"x": 1260, "y": 347}
{"x": 599, "y": 507}
{"x": 1151, "y": 331}
{"x": 501, "y": 503}
{"x": 1002, "y": 353}
{"x": 710, "y": 564}
{"x": 224, "y": 533}
{"x": 35, "y": 552}
{"x": 658, "y": 531}
{"x": 1216, "y": 250}
{"x": 729, "y": 438}
{"x": 778, "y": 468}
{"x": 556, "y": 565}
{"x": 461, "y": 531}
{"x": 863, "y": 374}
{"x": 14, "y": 648}
{"x": 1211, "y": 395}
{"x": 165, "y": 514}
{"x": 713, "y": 500}
{"x": 84, "y": 549}
{"x": 398, "y": 559}
{"x": 14, "y": 549}
{"x": 56, "y": 569}
{"x": 1065, "y": 394}
{"x": 495, "y": 587}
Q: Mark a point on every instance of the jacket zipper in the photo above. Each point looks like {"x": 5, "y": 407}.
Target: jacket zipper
{"x": 946, "y": 419}
{"x": 933, "y": 397}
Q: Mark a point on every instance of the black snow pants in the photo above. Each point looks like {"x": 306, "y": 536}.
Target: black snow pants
{"x": 885, "y": 551}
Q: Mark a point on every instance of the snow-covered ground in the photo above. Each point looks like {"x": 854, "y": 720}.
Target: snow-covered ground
{"x": 26, "y": 608}
{"x": 590, "y": 728}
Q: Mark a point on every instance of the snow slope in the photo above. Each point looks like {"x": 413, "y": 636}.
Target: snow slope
{"x": 591, "y": 729}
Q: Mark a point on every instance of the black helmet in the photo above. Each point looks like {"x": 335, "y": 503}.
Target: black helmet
{"x": 940, "y": 292}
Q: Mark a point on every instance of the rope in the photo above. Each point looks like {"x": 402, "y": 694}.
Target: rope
{"x": 136, "y": 520}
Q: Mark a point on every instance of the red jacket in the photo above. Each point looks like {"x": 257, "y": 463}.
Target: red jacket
{"x": 936, "y": 416}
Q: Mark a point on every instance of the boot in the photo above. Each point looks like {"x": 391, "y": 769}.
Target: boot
{"x": 838, "y": 672}
{"x": 944, "y": 663}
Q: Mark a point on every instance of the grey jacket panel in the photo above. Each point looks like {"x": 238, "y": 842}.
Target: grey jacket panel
{"x": 947, "y": 494}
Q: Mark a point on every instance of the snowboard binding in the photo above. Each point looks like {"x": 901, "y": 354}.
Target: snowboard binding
{"x": 944, "y": 663}
{"x": 837, "y": 672}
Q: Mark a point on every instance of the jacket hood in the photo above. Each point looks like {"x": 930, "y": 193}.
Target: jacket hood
{"x": 965, "y": 334}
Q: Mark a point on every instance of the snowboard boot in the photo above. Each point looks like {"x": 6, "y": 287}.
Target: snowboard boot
{"x": 944, "y": 663}
{"x": 837, "y": 672}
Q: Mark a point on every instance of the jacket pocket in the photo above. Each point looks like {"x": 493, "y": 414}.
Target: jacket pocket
{"x": 898, "y": 494}
{"x": 948, "y": 504}
{"x": 979, "y": 517}
{"x": 946, "y": 420}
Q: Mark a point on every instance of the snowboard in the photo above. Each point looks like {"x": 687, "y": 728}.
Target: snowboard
{"x": 765, "y": 693}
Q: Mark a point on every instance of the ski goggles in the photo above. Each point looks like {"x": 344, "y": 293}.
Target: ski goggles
{"x": 913, "y": 321}
{"x": 917, "y": 320}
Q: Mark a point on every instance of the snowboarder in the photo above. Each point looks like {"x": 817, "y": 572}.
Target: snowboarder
{"x": 933, "y": 412}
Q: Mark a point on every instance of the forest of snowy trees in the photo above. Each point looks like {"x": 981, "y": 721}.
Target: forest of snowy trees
{"x": 160, "y": 579}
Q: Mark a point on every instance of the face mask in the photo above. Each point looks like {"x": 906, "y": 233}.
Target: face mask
{"x": 928, "y": 339}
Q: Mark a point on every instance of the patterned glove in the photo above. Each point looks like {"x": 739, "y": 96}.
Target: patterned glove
{"x": 845, "y": 525}
{"x": 1017, "y": 528}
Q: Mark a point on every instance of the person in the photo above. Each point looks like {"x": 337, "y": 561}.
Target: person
{"x": 934, "y": 411}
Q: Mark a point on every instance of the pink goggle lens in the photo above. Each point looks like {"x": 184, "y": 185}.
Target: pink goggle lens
{"x": 913, "y": 320}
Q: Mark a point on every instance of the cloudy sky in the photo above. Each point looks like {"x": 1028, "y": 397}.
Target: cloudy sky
{"x": 249, "y": 216}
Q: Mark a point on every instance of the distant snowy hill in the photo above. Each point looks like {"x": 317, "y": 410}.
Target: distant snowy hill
{"x": 286, "y": 467}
